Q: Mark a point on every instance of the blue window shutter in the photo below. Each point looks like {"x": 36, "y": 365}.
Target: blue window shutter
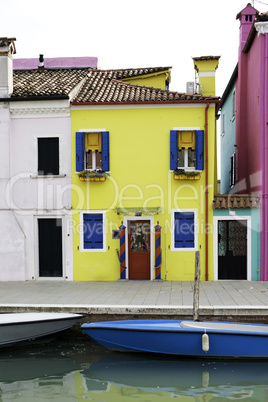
{"x": 184, "y": 230}
{"x": 80, "y": 151}
{"x": 174, "y": 149}
{"x": 105, "y": 151}
{"x": 199, "y": 149}
{"x": 93, "y": 231}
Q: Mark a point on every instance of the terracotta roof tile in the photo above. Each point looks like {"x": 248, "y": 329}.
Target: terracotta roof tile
{"x": 46, "y": 82}
{"x": 204, "y": 58}
{"x": 101, "y": 87}
{"x": 96, "y": 86}
{"x": 226, "y": 201}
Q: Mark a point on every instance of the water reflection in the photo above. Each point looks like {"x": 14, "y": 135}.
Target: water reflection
{"x": 79, "y": 370}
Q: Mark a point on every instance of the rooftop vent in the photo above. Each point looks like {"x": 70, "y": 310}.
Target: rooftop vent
{"x": 41, "y": 61}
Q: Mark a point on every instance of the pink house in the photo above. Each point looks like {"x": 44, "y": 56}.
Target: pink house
{"x": 56, "y": 62}
{"x": 251, "y": 114}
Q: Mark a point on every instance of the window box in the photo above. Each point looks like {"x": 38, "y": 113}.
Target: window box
{"x": 181, "y": 174}
{"x": 98, "y": 175}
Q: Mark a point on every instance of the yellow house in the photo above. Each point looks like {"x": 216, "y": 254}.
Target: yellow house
{"x": 143, "y": 175}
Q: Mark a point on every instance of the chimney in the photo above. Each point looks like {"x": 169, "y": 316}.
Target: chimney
{"x": 247, "y": 17}
{"x": 7, "y": 49}
{"x": 41, "y": 61}
{"x": 205, "y": 67}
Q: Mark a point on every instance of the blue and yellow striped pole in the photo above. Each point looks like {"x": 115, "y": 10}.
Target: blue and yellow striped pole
{"x": 157, "y": 251}
{"x": 122, "y": 229}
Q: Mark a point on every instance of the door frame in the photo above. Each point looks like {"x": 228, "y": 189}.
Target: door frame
{"x": 127, "y": 219}
{"x": 216, "y": 220}
{"x": 48, "y": 278}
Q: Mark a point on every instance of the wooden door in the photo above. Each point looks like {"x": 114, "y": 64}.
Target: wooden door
{"x": 50, "y": 247}
{"x": 139, "y": 249}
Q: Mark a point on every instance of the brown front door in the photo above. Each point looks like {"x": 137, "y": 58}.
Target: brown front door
{"x": 139, "y": 249}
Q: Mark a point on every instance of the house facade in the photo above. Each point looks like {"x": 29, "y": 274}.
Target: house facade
{"x": 143, "y": 177}
{"x": 105, "y": 174}
{"x": 244, "y": 133}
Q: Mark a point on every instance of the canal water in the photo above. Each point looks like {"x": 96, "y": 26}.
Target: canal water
{"x": 78, "y": 369}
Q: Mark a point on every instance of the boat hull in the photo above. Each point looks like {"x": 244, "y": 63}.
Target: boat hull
{"x": 228, "y": 340}
{"x": 24, "y": 327}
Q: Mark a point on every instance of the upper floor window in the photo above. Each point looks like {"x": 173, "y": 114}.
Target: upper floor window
{"x": 223, "y": 124}
{"x": 187, "y": 150}
{"x": 48, "y": 156}
{"x": 92, "y": 151}
{"x": 232, "y": 170}
{"x": 234, "y": 105}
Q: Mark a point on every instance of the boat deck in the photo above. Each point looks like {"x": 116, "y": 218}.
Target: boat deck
{"x": 224, "y": 300}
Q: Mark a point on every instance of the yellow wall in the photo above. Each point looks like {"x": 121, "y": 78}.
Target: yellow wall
{"x": 140, "y": 176}
{"x": 153, "y": 80}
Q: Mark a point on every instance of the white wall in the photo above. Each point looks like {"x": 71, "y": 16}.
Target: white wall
{"x": 23, "y": 196}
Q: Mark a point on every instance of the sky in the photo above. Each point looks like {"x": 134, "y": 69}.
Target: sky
{"x": 124, "y": 34}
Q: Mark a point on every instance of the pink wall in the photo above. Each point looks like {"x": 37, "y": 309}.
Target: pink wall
{"x": 56, "y": 62}
{"x": 248, "y": 120}
{"x": 264, "y": 153}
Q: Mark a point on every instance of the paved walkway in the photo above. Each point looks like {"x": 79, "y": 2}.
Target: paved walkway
{"x": 220, "y": 298}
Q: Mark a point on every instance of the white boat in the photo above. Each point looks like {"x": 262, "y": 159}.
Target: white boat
{"x": 18, "y": 328}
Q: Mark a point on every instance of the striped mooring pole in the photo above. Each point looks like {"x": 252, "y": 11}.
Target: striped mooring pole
{"x": 157, "y": 251}
{"x": 122, "y": 229}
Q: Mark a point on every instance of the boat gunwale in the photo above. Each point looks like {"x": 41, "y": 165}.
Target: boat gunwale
{"x": 76, "y": 317}
{"x": 192, "y": 330}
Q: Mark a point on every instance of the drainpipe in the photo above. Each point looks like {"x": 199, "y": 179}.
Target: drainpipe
{"x": 206, "y": 191}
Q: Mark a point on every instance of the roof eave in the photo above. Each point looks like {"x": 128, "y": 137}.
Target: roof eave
{"x": 34, "y": 98}
{"x": 216, "y": 101}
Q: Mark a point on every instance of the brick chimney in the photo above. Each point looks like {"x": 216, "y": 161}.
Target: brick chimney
{"x": 7, "y": 49}
{"x": 247, "y": 17}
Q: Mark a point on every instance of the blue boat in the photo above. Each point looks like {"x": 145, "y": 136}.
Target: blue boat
{"x": 183, "y": 338}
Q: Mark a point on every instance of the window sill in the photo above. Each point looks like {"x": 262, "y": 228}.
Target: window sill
{"x": 48, "y": 176}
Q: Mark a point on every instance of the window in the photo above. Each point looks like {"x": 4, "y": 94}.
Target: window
{"x": 187, "y": 150}
{"x": 48, "y": 156}
{"x": 92, "y": 151}
{"x": 92, "y": 235}
{"x": 223, "y": 124}
{"x": 233, "y": 106}
{"x": 184, "y": 234}
{"x": 232, "y": 170}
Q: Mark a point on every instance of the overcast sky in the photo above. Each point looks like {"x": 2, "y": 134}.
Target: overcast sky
{"x": 124, "y": 34}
